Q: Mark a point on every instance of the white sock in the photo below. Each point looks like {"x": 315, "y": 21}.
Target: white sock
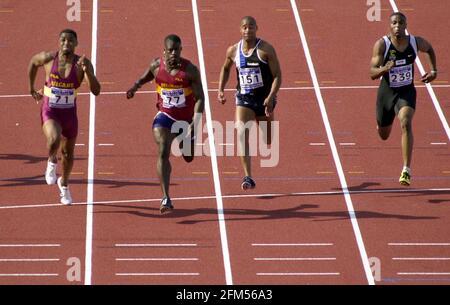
{"x": 406, "y": 169}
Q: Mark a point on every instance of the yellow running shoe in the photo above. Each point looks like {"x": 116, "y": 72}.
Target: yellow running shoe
{"x": 405, "y": 179}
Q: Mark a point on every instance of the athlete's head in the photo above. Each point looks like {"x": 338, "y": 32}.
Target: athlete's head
{"x": 248, "y": 28}
{"x": 397, "y": 24}
{"x": 67, "y": 41}
{"x": 172, "y": 49}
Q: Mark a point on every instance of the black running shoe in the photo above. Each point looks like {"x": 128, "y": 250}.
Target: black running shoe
{"x": 248, "y": 183}
{"x": 166, "y": 205}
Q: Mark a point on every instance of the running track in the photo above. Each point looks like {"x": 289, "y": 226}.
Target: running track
{"x": 329, "y": 209}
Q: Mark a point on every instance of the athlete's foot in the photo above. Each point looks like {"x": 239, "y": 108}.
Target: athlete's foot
{"x": 50, "y": 173}
{"x": 166, "y": 205}
{"x": 64, "y": 193}
{"x": 405, "y": 178}
{"x": 248, "y": 183}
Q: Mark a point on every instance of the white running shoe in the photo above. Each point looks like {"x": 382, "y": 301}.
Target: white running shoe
{"x": 50, "y": 173}
{"x": 65, "y": 193}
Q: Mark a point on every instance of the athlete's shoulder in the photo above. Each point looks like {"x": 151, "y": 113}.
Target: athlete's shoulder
{"x": 265, "y": 45}
{"x": 232, "y": 50}
{"x": 191, "y": 69}
{"x": 155, "y": 63}
{"x": 380, "y": 44}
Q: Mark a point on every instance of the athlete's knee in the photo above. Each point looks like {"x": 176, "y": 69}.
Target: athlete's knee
{"x": 53, "y": 141}
{"x": 67, "y": 155}
{"x": 164, "y": 151}
{"x": 384, "y": 132}
{"x": 406, "y": 124}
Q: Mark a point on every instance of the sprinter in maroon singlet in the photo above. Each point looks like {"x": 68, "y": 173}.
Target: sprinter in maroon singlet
{"x": 64, "y": 72}
{"x": 180, "y": 100}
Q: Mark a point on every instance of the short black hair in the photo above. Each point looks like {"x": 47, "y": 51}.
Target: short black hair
{"x": 69, "y": 31}
{"x": 248, "y": 18}
{"x": 172, "y": 37}
{"x": 397, "y": 14}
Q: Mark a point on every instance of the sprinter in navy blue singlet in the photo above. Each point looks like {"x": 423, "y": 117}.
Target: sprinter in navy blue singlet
{"x": 258, "y": 81}
{"x": 393, "y": 60}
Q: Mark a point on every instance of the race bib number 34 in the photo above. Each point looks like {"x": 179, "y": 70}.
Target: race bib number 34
{"x": 173, "y": 98}
{"x": 62, "y": 98}
{"x": 401, "y": 76}
{"x": 250, "y": 78}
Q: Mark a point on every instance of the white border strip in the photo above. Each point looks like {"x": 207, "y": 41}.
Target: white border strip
{"x": 437, "y": 106}
{"x": 233, "y": 90}
{"x": 215, "y": 169}
{"x": 155, "y": 245}
{"x": 239, "y": 196}
{"x": 90, "y": 185}
{"x": 337, "y": 161}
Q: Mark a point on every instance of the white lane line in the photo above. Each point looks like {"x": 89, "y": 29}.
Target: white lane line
{"x": 131, "y": 259}
{"x": 130, "y": 201}
{"x": 294, "y": 245}
{"x": 29, "y": 259}
{"x": 419, "y": 244}
{"x": 436, "y": 104}
{"x": 28, "y": 245}
{"x": 423, "y": 273}
{"x": 347, "y": 144}
{"x": 337, "y": 161}
{"x": 27, "y": 274}
{"x": 160, "y": 274}
{"x": 317, "y": 144}
{"x": 438, "y": 143}
{"x": 297, "y": 273}
{"x": 212, "y": 150}
{"x": 231, "y": 90}
{"x": 90, "y": 182}
{"x": 105, "y": 144}
{"x": 294, "y": 258}
{"x": 155, "y": 245}
{"x": 421, "y": 258}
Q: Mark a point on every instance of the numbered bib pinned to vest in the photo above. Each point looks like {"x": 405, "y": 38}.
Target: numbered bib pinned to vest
{"x": 173, "y": 98}
{"x": 401, "y": 76}
{"x": 60, "y": 98}
{"x": 250, "y": 78}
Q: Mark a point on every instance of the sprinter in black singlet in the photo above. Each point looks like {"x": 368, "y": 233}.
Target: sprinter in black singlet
{"x": 393, "y": 60}
{"x": 258, "y": 81}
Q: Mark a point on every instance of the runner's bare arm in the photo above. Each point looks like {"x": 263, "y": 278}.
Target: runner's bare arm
{"x": 376, "y": 68}
{"x": 225, "y": 73}
{"x": 148, "y": 76}
{"x": 274, "y": 65}
{"x": 199, "y": 95}
{"x": 37, "y": 61}
{"x": 88, "y": 69}
{"x": 425, "y": 46}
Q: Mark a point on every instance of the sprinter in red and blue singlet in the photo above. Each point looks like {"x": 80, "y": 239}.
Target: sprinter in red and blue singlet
{"x": 180, "y": 103}
{"x": 64, "y": 72}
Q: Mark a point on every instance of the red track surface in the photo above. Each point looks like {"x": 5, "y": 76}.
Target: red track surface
{"x": 290, "y": 204}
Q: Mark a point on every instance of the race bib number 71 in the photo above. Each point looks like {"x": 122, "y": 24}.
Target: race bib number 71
{"x": 62, "y": 98}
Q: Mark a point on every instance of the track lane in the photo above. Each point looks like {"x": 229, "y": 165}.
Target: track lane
{"x": 385, "y": 218}
{"x": 23, "y": 156}
{"x": 133, "y": 243}
{"x": 303, "y": 222}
